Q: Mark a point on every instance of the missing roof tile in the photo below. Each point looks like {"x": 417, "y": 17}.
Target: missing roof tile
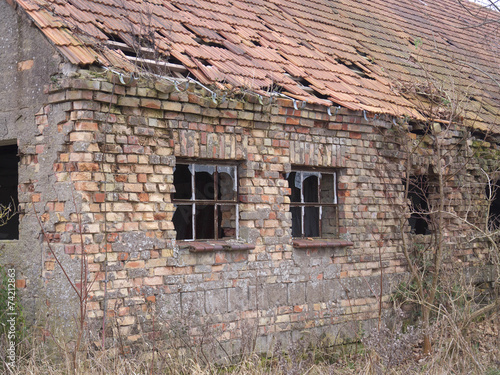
{"x": 264, "y": 23}
{"x": 175, "y": 6}
{"x": 361, "y": 53}
{"x": 209, "y": 43}
{"x": 203, "y": 62}
{"x": 319, "y": 95}
{"x": 114, "y": 37}
{"x": 355, "y": 68}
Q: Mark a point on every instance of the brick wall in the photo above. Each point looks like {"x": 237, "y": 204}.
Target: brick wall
{"x": 119, "y": 150}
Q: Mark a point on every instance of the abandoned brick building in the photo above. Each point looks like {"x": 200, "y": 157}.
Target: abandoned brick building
{"x": 239, "y": 163}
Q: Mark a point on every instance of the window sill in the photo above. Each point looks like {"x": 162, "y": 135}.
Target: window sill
{"x": 211, "y": 246}
{"x": 301, "y": 243}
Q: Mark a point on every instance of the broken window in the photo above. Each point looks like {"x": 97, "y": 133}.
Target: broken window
{"x": 313, "y": 203}
{"x": 9, "y": 219}
{"x": 418, "y": 195}
{"x": 206, "y": 201}
{"x": 493, "y": 196}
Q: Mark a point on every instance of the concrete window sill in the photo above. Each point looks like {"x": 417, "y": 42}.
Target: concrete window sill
{"x": 211, "y": 246}
{"x": 302, "y": 243}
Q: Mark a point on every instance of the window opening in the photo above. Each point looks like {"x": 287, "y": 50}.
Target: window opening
{"x": 313, "y": 203}
{"x": 206, "y": 202}
{"x": 418, "y": 195}
{"x": 9, "y": 201}
{"x": 492, "y": 193}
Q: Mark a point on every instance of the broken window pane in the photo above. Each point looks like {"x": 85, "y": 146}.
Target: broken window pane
{"x": 182, "y": 181}
{"x": 296, "y": 221}
{"x": 295, "y": 188}
{"x": 183, "y": 222}
{"x": 9, "y": 230}
{"x": 310, "y": 187}
{"x": 205, "y": 222}
{"x": 311, "y": 221}
{"x": 204, "y": 182}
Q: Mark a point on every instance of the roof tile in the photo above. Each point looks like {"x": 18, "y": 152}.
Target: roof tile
{"x": 355, "y": 53}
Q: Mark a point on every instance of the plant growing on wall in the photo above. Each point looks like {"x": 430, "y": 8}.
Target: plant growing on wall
{"x": 436, "y": 174}
{"x": 7, "y": 213}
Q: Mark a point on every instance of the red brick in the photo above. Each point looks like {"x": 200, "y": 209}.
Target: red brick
{"x": 21, "y": 283}
{"x": 135, "y": 264}
{"x": 99, "y": 197}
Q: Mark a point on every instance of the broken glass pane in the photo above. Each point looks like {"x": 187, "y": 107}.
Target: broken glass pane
{"x": 296, "y": 221}
{"x": 204, "y": 222}
{"x": 310, "y": 187}
{"x": 182, "y": 182}
{"x": 204, "y": 182}
{"x": 311, "y": 221}
{"x": 295, "y": 196}
{"x": 183, "y": 222}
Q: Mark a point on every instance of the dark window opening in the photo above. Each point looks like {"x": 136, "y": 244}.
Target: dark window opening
{"x": 418, "y": 196}
{"x": 9, "y": 202}
{"x": 206, "y": 201}
{"x": 493, "y": 196}
{"x": 313, "y": 204}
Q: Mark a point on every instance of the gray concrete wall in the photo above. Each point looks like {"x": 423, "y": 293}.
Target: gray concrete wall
{"x": 27, "y": 62}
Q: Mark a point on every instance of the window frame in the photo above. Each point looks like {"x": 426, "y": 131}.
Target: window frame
{"x": 216, "y": 202}
{"x": 302, "y": 204}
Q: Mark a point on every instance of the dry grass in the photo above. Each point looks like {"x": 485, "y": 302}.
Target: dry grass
{"x": 476, "y": 351}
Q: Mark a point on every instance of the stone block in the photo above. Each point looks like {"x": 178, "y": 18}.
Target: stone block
{"x": 216, "y": 301}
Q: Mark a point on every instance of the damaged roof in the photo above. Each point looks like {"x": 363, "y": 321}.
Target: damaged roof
{"x": 381, "y": 56}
